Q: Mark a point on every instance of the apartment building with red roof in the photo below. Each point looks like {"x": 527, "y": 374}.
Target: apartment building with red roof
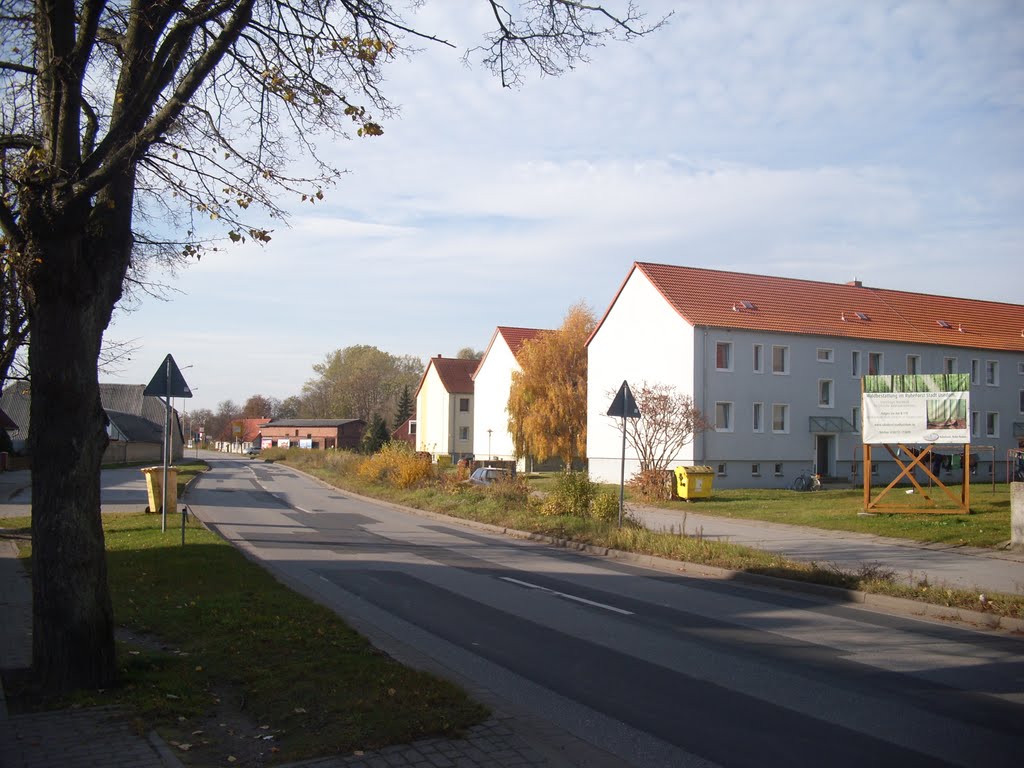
{"x": 444, "y": 408}
{"x": 492, "y": 382}
{"x": 776, "y": 364}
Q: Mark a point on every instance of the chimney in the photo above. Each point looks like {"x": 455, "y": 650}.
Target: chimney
{"x": 855, "y": 284}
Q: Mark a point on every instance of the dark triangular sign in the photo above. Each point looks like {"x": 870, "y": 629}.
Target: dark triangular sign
{"x": 624, "y": 406}
{"x": 167, "y": 381}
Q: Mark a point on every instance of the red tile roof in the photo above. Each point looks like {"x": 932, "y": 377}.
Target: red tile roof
{"x": 516, "y": 337}
{"x": 456, "y": 374}
{"x": 715, "y": 298}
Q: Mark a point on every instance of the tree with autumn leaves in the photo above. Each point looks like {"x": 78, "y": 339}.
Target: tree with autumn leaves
{"x": 547, "y": 402}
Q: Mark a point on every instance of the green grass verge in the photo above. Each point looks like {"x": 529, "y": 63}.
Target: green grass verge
{"x": 209, "y": 638}
{"x": 827, "y": 506}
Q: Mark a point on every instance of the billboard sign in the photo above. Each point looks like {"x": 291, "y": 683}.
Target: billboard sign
{"x": 931, "y": 408}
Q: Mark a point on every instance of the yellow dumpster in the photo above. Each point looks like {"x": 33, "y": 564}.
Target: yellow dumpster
{"x": 694, "y": 482}
{"x": 155, "y": 490}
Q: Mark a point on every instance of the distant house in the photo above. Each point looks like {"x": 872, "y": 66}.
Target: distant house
{"x": 246, "y": 431}
{"x": 444, "y": 408}
{"x": 406, "y": 432}
{"x": 492, "y": 382}
{"x": 320, "y": 434}
{"x": 135, "y": 423}
{"x": 776, "y": 364}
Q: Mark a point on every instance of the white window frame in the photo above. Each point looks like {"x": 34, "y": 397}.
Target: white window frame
{"x": 992, "y": 424}
{"x": 757, "y": 417}
{"x": 855, "y": 363}
{"x": 975, "y": 370}
{"x": 785, "y": 359}
{"x": 778, "y": 470}
{"x": 785, "y": 418}
{"x": 825, "y": 355}
{"x": 727, "y": 346}
{"x": 722, "y": 469}
{"x": 830, "y": 401}
{"x": 755, "y": 469}
{"x": 726, "y": 406}
{"x": 757, "y": 358}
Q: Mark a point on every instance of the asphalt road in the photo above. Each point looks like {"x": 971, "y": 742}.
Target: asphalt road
{"x": 645, "y": 667}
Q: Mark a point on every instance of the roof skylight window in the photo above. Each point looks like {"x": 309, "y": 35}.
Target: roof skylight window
{"x": 862, "y": 315}
{"x": 943, "y": 324}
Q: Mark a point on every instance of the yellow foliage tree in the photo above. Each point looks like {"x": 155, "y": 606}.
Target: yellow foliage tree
{"x": 547, "y": 403}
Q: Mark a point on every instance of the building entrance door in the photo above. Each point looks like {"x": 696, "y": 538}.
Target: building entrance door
{"x": 824, "y": 454}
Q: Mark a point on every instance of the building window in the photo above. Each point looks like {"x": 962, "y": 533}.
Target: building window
{"x": 778, "y": 469}
{"x": 780, "y": 417}
{"x": 755, "y": 470}
{"x": 992, "y": 424}
{"x": 855, "y": 364}
{"x": 1021, "y": 401}
{"x": 913, "y": 364}
{"x": 759, "y": 358}
{"x": 464, "y": 405}
{"x": 758, "y": 415}
{"x": 721, "y": 469}
{"x": 412, "y": 428}
{"x": 975, "y": 371}
{"x": 855, "y": 418}
{"x": 975, "y": 422}
{"x": 949, "y": 365}
{"x": 1020, "y": 369}
{"x": 824, "y": 355}
{"x": 874, "y": 363}
{"x": 874, "y": 468}
{"x": 825, "y": 393}
{"x": 780, "y": 359}
{"x": 723, "y": 356}
{"x": 723, "y": 417}
{"x": 463, "y": 433}
{"x": 992, "y": 373}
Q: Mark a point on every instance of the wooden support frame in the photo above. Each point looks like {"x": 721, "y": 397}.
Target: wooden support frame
{"x": 917, "y": 460}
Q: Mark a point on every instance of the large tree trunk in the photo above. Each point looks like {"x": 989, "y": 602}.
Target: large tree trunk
{"x": 72, "y": 618}
{"x": 81, "y": 258}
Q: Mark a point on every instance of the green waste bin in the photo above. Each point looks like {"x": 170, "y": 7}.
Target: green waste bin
{"x": 155, "y": 487}
{"x": 694, "y": 482}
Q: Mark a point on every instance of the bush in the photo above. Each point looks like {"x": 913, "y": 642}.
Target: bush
{"x": 654, "y": 484}
{"x": 396, "y": 464}
{"x": 573, "y": 495}
{"x": 605, "y": 506}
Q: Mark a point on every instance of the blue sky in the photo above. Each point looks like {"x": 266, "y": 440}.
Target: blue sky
{"x": 880, "y": 141}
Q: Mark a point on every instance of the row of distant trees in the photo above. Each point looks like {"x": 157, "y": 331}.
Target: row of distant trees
{"x": 357, "y": 382}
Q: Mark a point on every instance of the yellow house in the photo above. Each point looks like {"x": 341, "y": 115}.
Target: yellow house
{"x": 444, "y": 408}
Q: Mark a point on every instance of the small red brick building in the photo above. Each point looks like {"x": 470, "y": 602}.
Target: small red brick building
{"x": 323, "y": 434}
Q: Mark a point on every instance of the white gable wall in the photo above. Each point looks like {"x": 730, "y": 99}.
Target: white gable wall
{"x": 641, "y": 339}
{"x": 433, "y": 415}
{"x": 491, "y": 386}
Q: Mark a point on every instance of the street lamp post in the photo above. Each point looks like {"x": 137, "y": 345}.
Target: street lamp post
{"x": 490, "y": 456}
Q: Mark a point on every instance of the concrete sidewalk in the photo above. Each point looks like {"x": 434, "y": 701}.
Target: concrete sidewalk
{"x": 912, "y": 562}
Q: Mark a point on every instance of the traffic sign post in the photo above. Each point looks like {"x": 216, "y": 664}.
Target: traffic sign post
{"x": 624, "y": 406}
{"x": 166, "y": 383}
